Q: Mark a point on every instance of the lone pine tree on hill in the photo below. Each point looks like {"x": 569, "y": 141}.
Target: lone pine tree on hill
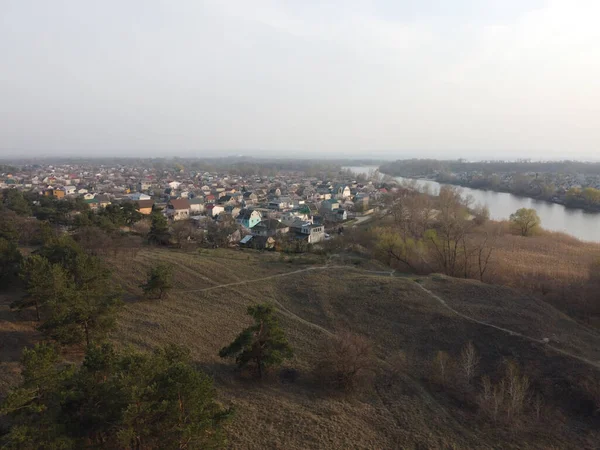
{"x": 262, "y": 344}
{"x": 159, "y": 281}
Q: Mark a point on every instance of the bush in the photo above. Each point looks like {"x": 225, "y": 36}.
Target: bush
{"x": 347, "y": 362}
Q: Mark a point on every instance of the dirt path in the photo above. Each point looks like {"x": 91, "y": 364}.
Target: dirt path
{"x": 425, "y": 396}
{"x": 255, "y": 280}
{"x": 442, "y": 302}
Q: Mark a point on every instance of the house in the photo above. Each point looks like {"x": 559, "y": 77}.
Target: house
{"x": 291, "y": 217}
{"x": 56, "y": 193}
{"x": 93, "y": 203}
{"x": 174, "y": 184}
{"x": 196, "y": 205}
{"x": 144, "y": 186}
{"x": 145, "y": 206}
{"x": 258, "y": 242}
{"x": 248, "y": 218}
{"x": 361, "y": 201}
{"x": 136, "y": 196}
{"x": 339, "y": 215}
{"x": 328, "y": 206}
{"x": 88, "y": 195}
{"x": 341, "y": 191}
{"x": 279, "y": 203}
{"x": 213, "y": 210}
{"x": 311, "y": 233}
{"x": 70, "y": 190}
{"x": 270, "y": 228}
{"x": 103, "y": 200}
{"x": 250, "y": 198}
{"x": 232, "y": 210}
{"x": 178, "y": 209}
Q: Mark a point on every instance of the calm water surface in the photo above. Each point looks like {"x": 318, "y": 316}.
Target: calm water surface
{"x": 578, "y": 223}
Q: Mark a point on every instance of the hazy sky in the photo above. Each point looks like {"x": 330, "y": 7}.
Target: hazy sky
{"x": 396, "y": 78}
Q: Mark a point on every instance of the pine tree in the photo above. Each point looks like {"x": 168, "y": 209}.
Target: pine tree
{"x": 129, "y": 401}
{"x": 159, "y": 230}
{"x": 159, "y": 281}
{"x": 87, "y": 308}
{"x": 45, "y": 283}
{"x": 10, "y": 258}
{"x": 33, "y": 406}
{"x": 262, "y": 345}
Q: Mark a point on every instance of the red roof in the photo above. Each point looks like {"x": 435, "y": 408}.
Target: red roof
{"x": 180, "y": 203}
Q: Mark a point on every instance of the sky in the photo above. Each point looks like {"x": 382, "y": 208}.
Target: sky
{"x": 487, "y": 79}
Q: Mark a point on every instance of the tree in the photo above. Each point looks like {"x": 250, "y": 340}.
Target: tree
{"x": 449, "y": 241}
{"x": 9, "y": 228}
{"x": 469, "y": 360}
{"x": 525, "y": 220}
{"x": 406, "y": 250}
{"x": 86, "y": 310}
{"x": 441, "y": 364}
{"x": 346, "y": 360}
{"x": 262, "y": 345}
{"x": 481, "y": 214}
{"x": 14, "y": 200}
{"x": 130, "y": 401}
{"x": 44, "y": 283}
{"x": 185, "y": 233}
{"x": 509, "y": 396}
{"x": 159, "y": 229}
{"x": 10, "y": 258}
{"x": 159, "y": 281}
{"x": 32, "y": 406}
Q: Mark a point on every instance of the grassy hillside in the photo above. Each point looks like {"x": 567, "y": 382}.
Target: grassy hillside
{"x": 403, "y": 408}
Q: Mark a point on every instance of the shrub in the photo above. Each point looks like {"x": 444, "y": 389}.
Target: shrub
{"x": 347, "y": 362}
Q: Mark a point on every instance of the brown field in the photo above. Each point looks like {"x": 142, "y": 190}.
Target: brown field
{"x": 546, "y": 256}
{"x": 400, "y": 410}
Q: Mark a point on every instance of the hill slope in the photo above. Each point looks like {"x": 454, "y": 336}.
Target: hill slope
{"x": 403, "y": 408}
{"x": 394, "y": 313}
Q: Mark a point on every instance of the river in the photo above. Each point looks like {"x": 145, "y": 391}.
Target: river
{"x": 583, "y": 225}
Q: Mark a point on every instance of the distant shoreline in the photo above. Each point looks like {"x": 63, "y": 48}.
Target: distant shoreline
{"x": 556, "y": 201}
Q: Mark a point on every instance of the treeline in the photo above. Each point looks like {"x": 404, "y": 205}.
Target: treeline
{"x": 583, "y": 198}
{"x": 113, "y": 400}
{"x": 425, "y": 167}
{"x": 424, "y": 234}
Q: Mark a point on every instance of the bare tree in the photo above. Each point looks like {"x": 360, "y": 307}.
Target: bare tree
{"x": 441, "y": 364}
{"x": 346, "y": 361}
{"x": 517, "y": 390}
{"x": 509, "y": 396}
{"x": 469, "y": 360}
{"x": 491, "y": 399}
{"x": 538, "y": 405}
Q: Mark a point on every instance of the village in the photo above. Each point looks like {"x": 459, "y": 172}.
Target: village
{"x": 289, "y": 204}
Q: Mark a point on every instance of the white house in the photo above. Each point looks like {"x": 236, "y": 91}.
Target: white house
{"x": 313, "y": 233}
{"x": 196, "y": 205}
{"x": 213, "y": 210}
{"x": 178, "y": 209}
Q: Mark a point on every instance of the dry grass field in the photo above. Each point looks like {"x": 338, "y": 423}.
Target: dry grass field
{"x": 520, "y": 261}
{"x": 401, "y": 409}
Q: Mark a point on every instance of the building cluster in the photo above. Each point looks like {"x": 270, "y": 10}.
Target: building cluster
{"x": 289, "y": 203}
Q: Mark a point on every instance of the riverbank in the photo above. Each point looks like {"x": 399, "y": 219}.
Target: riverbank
{"x": 555, "y": 217}
{"x": 594, "y": 209}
